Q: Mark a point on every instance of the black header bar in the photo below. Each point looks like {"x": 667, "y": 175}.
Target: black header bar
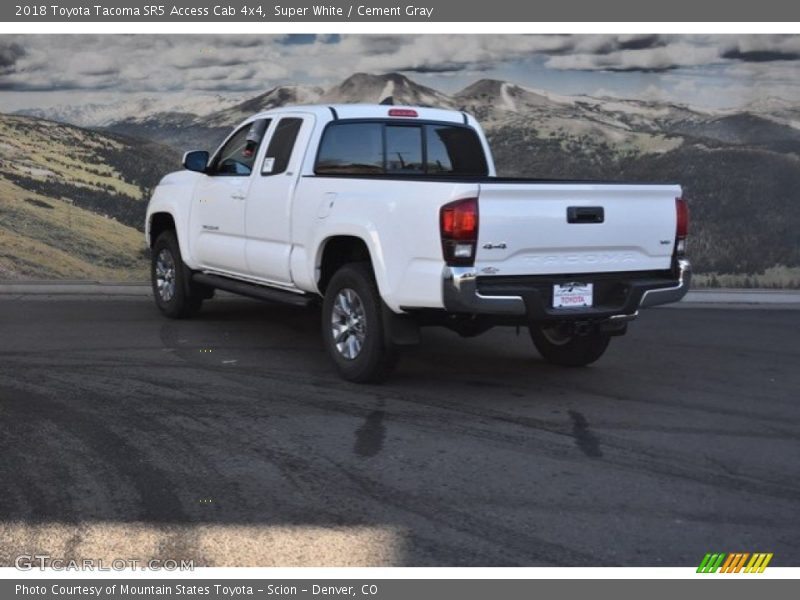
{"x": 253, "y": 11}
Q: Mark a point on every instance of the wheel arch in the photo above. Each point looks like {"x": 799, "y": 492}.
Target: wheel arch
{"x": 159, "y": 222}
{"x": 167, "y": 219}
{"x": 336, "y": 251}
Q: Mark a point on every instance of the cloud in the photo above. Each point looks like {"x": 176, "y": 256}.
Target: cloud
{"x": 660, "y": 53}
{"x": 424, "y": 54}
{"x": 760, "y": 55}
{"x": 9, "y": 55}
{"x": 385, "y": 44}
{"x": 607, "y": 44}
{"x": 168, "y": 62}
{"x": 650, "y": 56}
{"x": 640, "y": 42}
{"x": 445, "y": 68}
{"x": 253, "y": 63}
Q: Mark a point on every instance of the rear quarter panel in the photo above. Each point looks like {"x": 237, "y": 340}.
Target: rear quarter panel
{"x": 398, "y": 220}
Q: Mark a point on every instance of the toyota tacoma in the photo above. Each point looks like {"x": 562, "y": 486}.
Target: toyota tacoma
{"x": 393, "y": 218}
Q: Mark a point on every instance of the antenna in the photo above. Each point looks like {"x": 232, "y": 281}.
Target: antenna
{"x": 388, "y": 101}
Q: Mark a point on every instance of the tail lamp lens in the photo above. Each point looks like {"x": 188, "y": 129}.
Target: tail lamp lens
{"x": 458, "y": 222}
{"x": 682, "y": 225}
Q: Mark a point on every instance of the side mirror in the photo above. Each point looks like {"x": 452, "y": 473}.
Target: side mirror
{"x": 196, "y": 160}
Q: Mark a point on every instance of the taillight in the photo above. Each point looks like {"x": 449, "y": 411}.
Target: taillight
{"x": 458, "y": 223}
{"x": 682, "y": 225}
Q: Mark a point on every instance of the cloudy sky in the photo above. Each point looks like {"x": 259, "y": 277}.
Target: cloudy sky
{"x": 719, "y": 71}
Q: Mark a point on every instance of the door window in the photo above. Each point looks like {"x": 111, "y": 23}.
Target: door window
{"x": 238, "y": 155}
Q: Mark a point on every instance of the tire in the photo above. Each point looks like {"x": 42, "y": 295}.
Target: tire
{"x": 175, "y": 296}
{"x": 560, "y": 345}
{"x": 353, "y": 327}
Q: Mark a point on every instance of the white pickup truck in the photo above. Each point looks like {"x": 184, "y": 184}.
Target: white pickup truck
{"x": 394, "y": 218}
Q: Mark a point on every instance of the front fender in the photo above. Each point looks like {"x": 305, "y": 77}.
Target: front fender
{"x": 173, "y": 196}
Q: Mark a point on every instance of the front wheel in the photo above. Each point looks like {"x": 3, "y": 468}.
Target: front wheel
{"x": 353, "y": 327}
{"x": 560, "y": 344}
{"x": 174, "y": 296}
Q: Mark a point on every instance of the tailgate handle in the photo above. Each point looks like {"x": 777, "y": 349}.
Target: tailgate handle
{"x": 585, "y": 214}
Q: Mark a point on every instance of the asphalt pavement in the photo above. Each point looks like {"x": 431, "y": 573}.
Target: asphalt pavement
{"x": 229, "y": 440}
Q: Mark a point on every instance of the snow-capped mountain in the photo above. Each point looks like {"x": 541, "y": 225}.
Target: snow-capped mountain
{"x": 770, "y": 105}
{"x": 495, "y": 103}
{"x": 278, "y": 96}
{"x": 623, "y": 125}
{"x": 138, "y": 108}
{"x": 363, "y": 87}
{"x": 613, "y": 126}
{"x": 777, "y": 110}
{"x": 491, "y": 100}
{"x": 183, "y": 130}
{"x": 503, "y": 96}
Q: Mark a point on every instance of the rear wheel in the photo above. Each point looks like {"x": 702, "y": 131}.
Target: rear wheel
{"x": 174, "y": 295}
{"x": 353, "y": 326}
{"x": 561, "y": 344}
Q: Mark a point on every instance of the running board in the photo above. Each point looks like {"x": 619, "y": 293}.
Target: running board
{"x": 253, "y": 290}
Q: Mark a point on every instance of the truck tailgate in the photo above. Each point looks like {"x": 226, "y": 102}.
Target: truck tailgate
{"x": 563, "y": 228}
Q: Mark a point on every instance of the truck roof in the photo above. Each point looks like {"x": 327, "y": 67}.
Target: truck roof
{"x": 372, "y": 111}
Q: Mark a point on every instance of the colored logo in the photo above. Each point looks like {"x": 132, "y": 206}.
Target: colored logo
{"x": 735, "y": 562}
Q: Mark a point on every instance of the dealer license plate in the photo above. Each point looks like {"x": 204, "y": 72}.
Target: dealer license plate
{"x": 572, "y": 294}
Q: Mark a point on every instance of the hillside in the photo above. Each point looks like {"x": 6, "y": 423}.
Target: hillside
{"x": 72, "y": 201}
{"x": 179, "y": 131}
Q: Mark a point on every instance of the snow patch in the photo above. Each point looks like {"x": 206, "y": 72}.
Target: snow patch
{"x": 508, "y": 100}
{"x": 388, "y": 90}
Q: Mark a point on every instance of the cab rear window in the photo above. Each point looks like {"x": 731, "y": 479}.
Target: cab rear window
{"x": 392, "y": 148}
{"x": 352, "y": 149}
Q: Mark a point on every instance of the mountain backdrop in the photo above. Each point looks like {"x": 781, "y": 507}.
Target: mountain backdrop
{"x": 740, "y": 169}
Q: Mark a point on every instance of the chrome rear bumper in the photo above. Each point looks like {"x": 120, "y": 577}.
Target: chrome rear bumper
{"x": 460, "y": 294}
{"x": 670, "y": 294}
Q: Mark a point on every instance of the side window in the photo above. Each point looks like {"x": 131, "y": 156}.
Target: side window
{"x": 280, "y": 146}
{"x": 404, "y": 149}
{"x": 351, "y": 149}
{"x": 238, "y": 154}
{"x": 438, "y": 154}
{"x": 454, "y": 151}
